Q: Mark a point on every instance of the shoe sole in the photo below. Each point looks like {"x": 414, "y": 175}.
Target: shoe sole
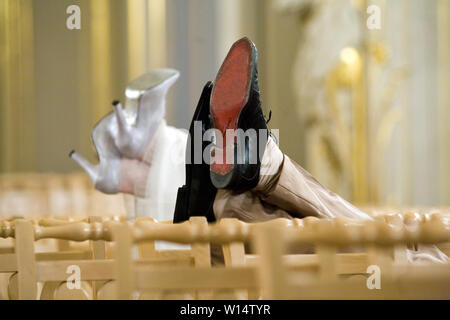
{"x": 229, "y": 96}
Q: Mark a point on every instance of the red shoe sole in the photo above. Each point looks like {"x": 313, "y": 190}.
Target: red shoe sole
{"x": 230, "y": 95}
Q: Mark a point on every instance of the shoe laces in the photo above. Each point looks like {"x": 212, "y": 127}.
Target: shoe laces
{"x": 267, "y": 119}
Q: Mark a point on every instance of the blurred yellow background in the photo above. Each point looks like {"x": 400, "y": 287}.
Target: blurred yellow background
{"x": 365, "y": 111}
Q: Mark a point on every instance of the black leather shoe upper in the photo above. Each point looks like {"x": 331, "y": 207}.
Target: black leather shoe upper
{"x": 252, "y": 117}
{"x": 196, "y": 197}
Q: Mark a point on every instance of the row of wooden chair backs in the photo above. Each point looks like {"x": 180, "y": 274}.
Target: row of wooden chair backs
{"x": 244, "y": 274}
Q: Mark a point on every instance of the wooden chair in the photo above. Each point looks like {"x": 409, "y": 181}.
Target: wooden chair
{"x": 30, "y": 268}
{"x": 155, "y": 273}
{"x": 346, "y": 263}
{"x": 62, "y": 251}
{"x": 399, "y": 280}
{"x": 199, "y": 276}
{"x": 196, "y": 255}
{"x": 147, "y": 252}
{"x": 100, "y": 269}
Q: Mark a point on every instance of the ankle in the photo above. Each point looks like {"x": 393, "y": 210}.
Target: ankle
{"x": 133, "y": 177}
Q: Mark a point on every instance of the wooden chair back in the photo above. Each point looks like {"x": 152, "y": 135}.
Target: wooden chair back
{"x": 381, "y": 238}
{"x": 206, "y": 281}
{"x": 30, "y": 268}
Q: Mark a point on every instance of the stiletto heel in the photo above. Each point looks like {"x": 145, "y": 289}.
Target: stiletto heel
{"x": 104, "y": 176}
{"x": 124, "y": 127}
{"x": 91, "y": 169}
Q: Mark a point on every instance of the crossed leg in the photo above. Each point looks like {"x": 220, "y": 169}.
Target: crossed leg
{"x": 289, "y": 191}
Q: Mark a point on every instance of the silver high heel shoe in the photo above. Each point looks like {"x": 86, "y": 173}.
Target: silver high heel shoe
{"x": 145, "y": 108}
{"x": 127, "y": 132}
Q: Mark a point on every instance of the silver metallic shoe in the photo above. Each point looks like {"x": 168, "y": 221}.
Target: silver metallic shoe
{"x": 145, "y": 108}
{"x": 127, "y": 132}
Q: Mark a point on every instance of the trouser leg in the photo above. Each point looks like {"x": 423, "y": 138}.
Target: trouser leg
{"x": 296, "y": 191}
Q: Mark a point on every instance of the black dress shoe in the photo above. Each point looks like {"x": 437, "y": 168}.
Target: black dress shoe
{"x": 196, "y": 197}
{"x": 235, "y": 104}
